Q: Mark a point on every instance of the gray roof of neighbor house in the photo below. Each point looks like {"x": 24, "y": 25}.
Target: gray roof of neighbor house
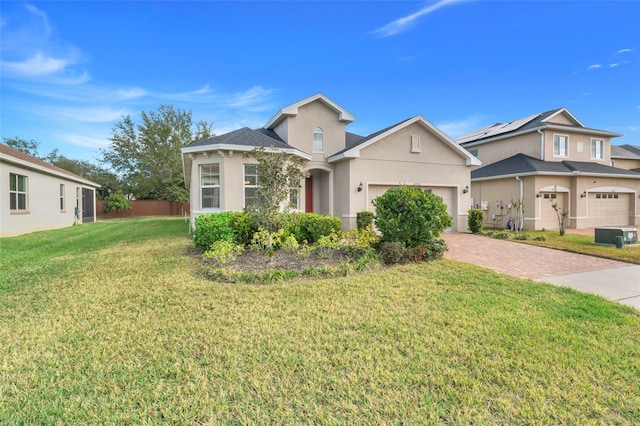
{"x": 526, "y": 124}
{"x": 246, "y": 137}
{"x": 522, "y": 164}
{"x": 625, "y": 151}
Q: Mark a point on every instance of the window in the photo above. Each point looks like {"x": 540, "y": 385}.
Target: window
{"x": 210, "y": 186}
{"x": 474, "y": 152}
{"x": 318, "y": 140}
{"x": 415, "y": 143}
{"x": 17, "y": 192}
{"x": 62, "y": 197}
{"x": 597, "y": 149}
{"x": 560, "y": 145}
{"x": 250, "y": 184}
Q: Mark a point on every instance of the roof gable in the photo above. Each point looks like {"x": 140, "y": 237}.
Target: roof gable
{"x": 563, "y": 116}
{"x": 356, "y": 145}
{"x": 292, "y": 110}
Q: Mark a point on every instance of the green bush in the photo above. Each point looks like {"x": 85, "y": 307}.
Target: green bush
{"x": 310, "y": 227}
{"x": 223, "y": 252}
{"x": 364, "y": 220}
{"x": 243, "y": 228}
{"x": 475, "y": 220}
{"x": 211, "y": 228}
{"x": 398, "y": 253}
{"x": 410, "y": 216}
{"x": 116, "y": 201}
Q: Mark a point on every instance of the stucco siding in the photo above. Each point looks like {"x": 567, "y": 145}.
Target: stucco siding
{"x": 579, "y": 147}
{"x": 310, "y": 116}
{"x": 498, "y": 150}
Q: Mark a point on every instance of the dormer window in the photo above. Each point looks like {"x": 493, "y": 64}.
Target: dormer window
{"x": 318, "y": 140}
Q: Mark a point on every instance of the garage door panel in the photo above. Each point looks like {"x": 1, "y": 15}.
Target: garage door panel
{"x": 609, "y": 209}
{"x": 547, "y": 213}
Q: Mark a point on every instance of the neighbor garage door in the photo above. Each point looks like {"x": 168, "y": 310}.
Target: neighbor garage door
{"x": 609, "y": 209}
{"x": 548, "y": 214}
{"x": 446, "y": 193}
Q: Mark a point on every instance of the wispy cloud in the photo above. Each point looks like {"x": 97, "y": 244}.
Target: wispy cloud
{"x": 403, "y": 24}
{"x": 37, "y": 65}
{"x": 594, "y": 66}
{"x": 462, "y": 126}
{"x": 621, "y": 51}
{"x": 256, "y": 98}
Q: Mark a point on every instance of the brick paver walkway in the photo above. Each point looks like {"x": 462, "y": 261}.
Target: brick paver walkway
{"x": 521, "y": 260}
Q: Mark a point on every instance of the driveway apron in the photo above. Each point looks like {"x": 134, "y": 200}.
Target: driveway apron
{"x": 614, "y": 280}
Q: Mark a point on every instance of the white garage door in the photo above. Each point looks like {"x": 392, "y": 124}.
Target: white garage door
{"x": 547, "y": 213}
{"x": 609, "y": 209}
{"x": 446, "y": 193}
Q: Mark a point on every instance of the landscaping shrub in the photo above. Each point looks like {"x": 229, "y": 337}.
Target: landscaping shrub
{"x": 364, "y": 220}
{"x": 211, "y": 228}
{"x": 392, "y": 252}
{"x": 398, "y": 253}
{"x": 223, "y": 252}
{"x": 310, "y": 227}
{"x": 410, "y": 216}
{"x": 243, "y": 227}
{"x": 116, "y": 201}
{"x": 475, "y": 220}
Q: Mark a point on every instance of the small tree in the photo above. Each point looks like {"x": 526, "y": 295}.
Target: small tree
{"x": 279, "y": 173}
{"x": 518, "y": 205}
{"x": 116, "y": 201}
{"x": 562, "y": 214}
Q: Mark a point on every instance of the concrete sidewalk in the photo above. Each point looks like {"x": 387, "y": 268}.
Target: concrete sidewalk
{"x": 618, "y": 281}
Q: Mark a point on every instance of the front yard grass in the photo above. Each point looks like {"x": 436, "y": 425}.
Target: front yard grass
{"x": 113, "y": 323}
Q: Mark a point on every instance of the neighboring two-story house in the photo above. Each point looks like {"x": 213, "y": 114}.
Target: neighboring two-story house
{"x": 551, "y": 158}
{"x": 346, "y": 171}
{"x": 37, "y": 196}
{"x": 626, "y": 157}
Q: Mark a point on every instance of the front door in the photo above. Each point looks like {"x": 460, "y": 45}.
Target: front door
{"x": 308, "y": 195}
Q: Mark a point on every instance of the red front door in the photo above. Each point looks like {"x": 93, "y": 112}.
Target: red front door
{"x": 308, "y": 195}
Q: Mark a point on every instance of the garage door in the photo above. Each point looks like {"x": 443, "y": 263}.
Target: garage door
{"x": 446, "y": 193}
{"x": 548, "y": 214}
{"x": 609, "y": 209}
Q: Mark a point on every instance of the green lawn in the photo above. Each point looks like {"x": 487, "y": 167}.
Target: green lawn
{"x": 583, "y": 244}
{"x": 112, "y": 323}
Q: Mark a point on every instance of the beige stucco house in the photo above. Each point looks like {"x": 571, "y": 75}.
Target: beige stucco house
{"x": 548, "y": 158}
{"x": 626, "y": 157}
{"x": 37, "y": 196}
{"x": 346, "y": 171}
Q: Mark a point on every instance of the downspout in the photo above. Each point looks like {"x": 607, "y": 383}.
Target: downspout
{"x": 541, "y": 144}
{"x": 521, "y": 212}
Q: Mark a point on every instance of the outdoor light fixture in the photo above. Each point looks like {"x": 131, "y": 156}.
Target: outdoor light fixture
{"x": 539, "y": 194}
{"x": 584, "y": 194}
{"x": 360, "y": 187}
{"x": 466, "y": 189}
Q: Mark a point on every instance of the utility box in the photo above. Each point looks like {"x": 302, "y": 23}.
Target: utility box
{"x": 608, "y": 234}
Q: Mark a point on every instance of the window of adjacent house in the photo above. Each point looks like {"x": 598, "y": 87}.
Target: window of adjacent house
{"x": 17, "y": 192}
{"x": 415, "y": 143}
{"x": 560, "y": 145}
{"x": 210, "y": 186}
{"x": 62, "y": 196}
{"x": 473, "y": 152}
{"x": 597, "y": 149}
{"x": 318, "y": 140}
{"x": 250, "y": 184}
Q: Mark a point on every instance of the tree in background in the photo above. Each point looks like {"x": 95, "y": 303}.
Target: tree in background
{"x": 28, "y": 147}
{"x": 116, "y": 202}
{"x": 147, "y": 155}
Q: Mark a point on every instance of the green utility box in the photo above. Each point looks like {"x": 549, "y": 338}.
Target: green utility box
{"x": 608, "y": 234}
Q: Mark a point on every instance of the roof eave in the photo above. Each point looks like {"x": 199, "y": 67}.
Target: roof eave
{"x": 48, "y": 171}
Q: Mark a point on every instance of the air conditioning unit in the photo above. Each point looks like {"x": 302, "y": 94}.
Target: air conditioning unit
{"x": 608, "y": 234}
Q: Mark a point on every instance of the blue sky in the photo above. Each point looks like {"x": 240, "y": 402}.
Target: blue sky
{"x": 70, "y": 70}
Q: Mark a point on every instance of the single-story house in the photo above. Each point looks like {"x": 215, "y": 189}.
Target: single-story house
{"x": 38, "y": 196}
{"x": 626, "y": 157}
{"x": 551, "y": 158}
{"x": 346, "y": 171}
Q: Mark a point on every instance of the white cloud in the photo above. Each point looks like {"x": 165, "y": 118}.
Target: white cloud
{"x": 621, "y": 51}
{"x": 133, "y": 93}
{"x": 634, "y": 128}
{"x": 594, "y": 66}
{"x": 403, "y": 24}
{"x": 35, "y": 66}
{"x": 461, "y": 127}
{"x": 256, "y": 98}
{"x": 617, "y": 64}
{"x": 86, "y": 141}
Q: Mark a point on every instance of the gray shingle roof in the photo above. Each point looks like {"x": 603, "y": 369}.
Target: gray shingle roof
{"x": 246, "y": 137}
{"x": 525, "y": 164}
{"x": 353, "y": 140}
{"x": 625, "y": 151}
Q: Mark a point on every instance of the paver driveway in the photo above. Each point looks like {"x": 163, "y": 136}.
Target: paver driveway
{"x": 612, "y": 279}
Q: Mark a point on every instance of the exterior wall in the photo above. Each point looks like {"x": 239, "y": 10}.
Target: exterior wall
{"x": 43, "y": 202}
{"x": 344, "y": 190}
{"x": 624, "y": 163}
{"x": 579, "y": 147}
{"x": 312, "y": 115}
{"x": 495, "y": 151}
{"x": 494, "y": 198}
{"x": 391, "y": 162}
{"x": 561, "y": 119}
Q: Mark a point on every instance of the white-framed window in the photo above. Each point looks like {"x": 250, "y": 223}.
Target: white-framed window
{"x": 250, "y": 184}
{"x": 210, "y": 186}
{"x": 415, "y": 143}
{"x": 62, "y": 197}
{"x": 318, "y": 140}
{"x": 17, "y": 192}
{"x": 597, "y": 149}
{"x": 560, "y": 146}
